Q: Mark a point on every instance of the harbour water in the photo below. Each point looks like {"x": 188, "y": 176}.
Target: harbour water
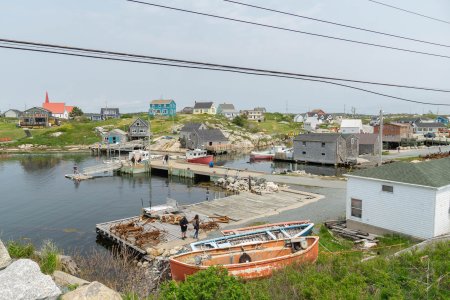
{"x": 38, "y": 203}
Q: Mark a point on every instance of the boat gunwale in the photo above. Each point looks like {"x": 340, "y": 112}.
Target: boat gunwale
{"x": 305, "y": 230}
{"x": 247, "y": 264}
{"x": 289, "y": 223}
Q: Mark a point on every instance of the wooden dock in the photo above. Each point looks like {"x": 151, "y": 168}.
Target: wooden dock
{"x": 240, "y": 208}
{"x": 190, "y": 170}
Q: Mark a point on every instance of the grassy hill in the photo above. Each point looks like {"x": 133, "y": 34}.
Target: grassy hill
{"x": 82, "y": 131}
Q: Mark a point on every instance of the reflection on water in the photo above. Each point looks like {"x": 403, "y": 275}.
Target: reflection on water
{"x": 242, "y": 161}
{"x": 37, "y": 202}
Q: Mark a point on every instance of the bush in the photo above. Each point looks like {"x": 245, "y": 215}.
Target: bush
{"x": 239, "y": 121}
{"x": 49, "y": 258}
{"x": 210, "y": 284}
{"x": 20, "y": 250}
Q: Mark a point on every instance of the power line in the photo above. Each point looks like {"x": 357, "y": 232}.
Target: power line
{"x": 337, "y": 24}
{"x": 197, "y": 63}
{"x": 291, "y": 30}
{"x": 77, "y": 53}
{"x": 410, "y": 12}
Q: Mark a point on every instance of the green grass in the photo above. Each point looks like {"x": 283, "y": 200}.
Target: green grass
{"x": 20, "y": 249}
{"x": 72, "y": 287}
{"x": 416, "y": 275}
{"x": 49, "y": 258}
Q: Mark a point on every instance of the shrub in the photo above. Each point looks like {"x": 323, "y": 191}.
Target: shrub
{"x": 210, "y": 284}
{"x": 49, "y": 258}
{"x": 20, "y": 250}
{"x": 239, "y": 121}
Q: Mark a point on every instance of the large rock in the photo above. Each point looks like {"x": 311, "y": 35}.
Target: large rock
{"x": 68, "y": 264}
{"x": 64, "y": 279}
{"x": 93, "y": 291}
{"x": 23, "y": 280}
{"x": 5, "y": 259}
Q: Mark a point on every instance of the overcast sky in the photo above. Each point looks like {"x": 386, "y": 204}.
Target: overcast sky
{"x": 123, "y": 26}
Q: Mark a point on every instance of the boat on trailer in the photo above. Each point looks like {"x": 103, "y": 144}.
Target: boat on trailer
{"x": 268, "y": 233}
{"x": 251, "y": 261}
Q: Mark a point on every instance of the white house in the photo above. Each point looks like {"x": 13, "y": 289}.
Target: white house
{"x": 406, "y": 198}
{"x": 12, "y": 113}
{"x": 351, "y": 126}
{"x": 311, "y": 123}
{"x": 299, "y": 118}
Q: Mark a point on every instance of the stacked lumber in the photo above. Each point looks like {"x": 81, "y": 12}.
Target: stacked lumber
{"x": 358, "y": 236}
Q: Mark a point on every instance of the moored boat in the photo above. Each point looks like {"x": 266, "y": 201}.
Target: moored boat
{"x": 258, "y": 235}
{"x": 268, "y": 154}
{"x": 198, "y": 156}
{"x": 248, "y": 261}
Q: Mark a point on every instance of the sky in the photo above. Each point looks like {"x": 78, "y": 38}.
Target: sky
{"x": 118, "y": 25}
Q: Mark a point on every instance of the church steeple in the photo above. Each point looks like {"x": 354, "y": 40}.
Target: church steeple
{"x": 46, "y": 98}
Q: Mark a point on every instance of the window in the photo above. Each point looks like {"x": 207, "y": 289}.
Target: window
{"x": 323, "y": 154}
{"x": 323, "y": 145}
{"x": 387, "y": 188}
{"x": 304, "y": 152}
{"x": 356, "y": 208}
{"x": 303, "y": 143}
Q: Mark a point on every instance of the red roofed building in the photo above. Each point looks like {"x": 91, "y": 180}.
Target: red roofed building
{"x": 58, "y": 109}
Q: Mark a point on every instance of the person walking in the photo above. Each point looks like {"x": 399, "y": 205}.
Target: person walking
{"x": 196, "y": 223}
{"x": 184, "y": 225}
{"x": 166, "y": 158}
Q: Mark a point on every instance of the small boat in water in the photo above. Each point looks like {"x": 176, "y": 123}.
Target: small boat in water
{"x": 248, "y": 261}
{"x": 198, "y": 156}
{"x": 248, "y": 235}
{"x": 268, "y": 154}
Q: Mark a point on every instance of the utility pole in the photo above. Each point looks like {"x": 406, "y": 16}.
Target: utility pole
{"x": 380, "y": 133}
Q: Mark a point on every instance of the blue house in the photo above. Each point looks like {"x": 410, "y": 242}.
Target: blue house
{"x": 166, "y": 108}
{"x": 443, "y": 120}
{"x": 115, "y": 136}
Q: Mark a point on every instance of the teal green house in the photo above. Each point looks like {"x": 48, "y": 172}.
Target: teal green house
{"x": 166, "y": 108}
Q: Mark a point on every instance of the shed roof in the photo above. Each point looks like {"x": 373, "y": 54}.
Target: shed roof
{"x": 118, "y": 131}
{"x": 434, "y": 125}
{"x": 227, "y": 107}
{"x": 317, "y": 137}
{"x": 203, "y": 105}
{"x": 191, "y": 126}
{"x": 162, "y": 101}
{"x": 140, "y": 120}
{"x": 214, "y": 135}
{"x": 433, "y": 173}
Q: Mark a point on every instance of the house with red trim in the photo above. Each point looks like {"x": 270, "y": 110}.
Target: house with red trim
{"x": 58, "y": 109}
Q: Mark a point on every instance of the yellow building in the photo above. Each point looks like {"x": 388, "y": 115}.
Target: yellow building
{"x": 204, "y": 108}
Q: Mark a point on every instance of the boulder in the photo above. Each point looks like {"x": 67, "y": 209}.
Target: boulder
{"x": 92, "y": 291}
{"x": 23, "y": 280}
{"x": 68, "y": 264}
{"x": 64, "y": 279}
{"x": 5, "y": 259}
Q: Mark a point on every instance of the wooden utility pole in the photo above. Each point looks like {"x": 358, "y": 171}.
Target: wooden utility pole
{"x": 380, "y": 133}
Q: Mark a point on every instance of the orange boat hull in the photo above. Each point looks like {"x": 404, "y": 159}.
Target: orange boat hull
{"x": 263, "y": 267}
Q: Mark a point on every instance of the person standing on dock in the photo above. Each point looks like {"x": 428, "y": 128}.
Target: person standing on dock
{"x": 184, "y": 225}
{"x": 166, "y": 159}
{"x": 196, "y": 223}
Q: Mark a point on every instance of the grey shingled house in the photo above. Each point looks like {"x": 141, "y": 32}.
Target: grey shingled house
{"x": 326, "y": 148}
{"x": 198, "y": 136}
{"x": 138, "y": 129}
{"x": 369, "y": 143}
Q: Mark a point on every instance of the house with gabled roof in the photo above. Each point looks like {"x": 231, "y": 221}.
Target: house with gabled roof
{"x": 227, "y": 110}
{"x": 58, "y": 109}
{"x": 138, "y": 130}
{"x": 198, "y": 136}
{"x": 166, "y": 108}
{"x": 109, "y": 113}
{"x": 425, "y": 128}
{"x": 407, "y": 198}
{"x": 204, "y": 108}
{"x": 444, "y": 120}
{"x": 12, "y": 113}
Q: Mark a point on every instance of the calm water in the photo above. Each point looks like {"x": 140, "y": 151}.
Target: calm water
{"x": 242, "y": 161}
{"x": 37, "y": 202}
